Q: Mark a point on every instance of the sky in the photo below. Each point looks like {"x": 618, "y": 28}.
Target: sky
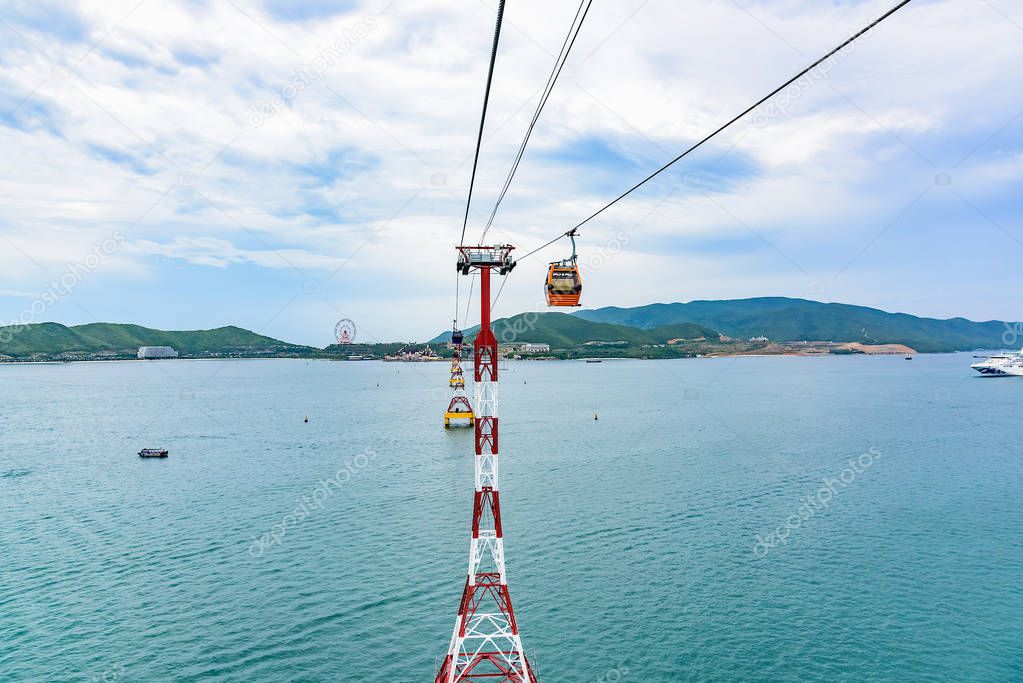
{"x": 280, "y": 165}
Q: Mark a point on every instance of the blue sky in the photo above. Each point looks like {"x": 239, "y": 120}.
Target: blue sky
{"x": 291, "y": 163}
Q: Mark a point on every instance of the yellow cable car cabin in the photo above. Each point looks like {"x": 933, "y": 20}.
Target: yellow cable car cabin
{"x": 564, "y": 284}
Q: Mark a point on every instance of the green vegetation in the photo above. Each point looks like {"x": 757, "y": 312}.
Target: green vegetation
{"x": 687, "y": 331}
{"x": 377, "y": 351}
{"x": 563, "y": 331}
{"x": 696, "y": 328}
{"x": 110, "y": 340}
{"x": 783, "y": 319}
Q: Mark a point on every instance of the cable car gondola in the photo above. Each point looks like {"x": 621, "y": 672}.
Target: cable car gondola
{"x": 564, "y": 284}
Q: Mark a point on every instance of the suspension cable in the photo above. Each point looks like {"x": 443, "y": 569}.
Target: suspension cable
{"x": 458, "y": 291}
{"x": 559, "y": 64}
{"x": 856, "y": 36}
{"x": 479, "y": 143}
{"x": 483, "y": 116}
{"x": 544, "y": 245}
{"x": 468, "y": 303}
{"x": 493, "y": 304}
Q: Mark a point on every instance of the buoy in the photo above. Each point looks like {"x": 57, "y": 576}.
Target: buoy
{"x": 307, "y": 418}
{"x": 594, "y": 416}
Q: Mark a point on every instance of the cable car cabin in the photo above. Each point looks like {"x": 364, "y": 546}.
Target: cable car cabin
{"x": 564, "y": 286}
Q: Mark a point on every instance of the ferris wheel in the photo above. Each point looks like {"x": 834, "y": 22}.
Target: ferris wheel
{"x": 344, "y": 332}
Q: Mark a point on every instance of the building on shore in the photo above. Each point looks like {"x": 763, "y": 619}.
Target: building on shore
{"x": 621, "y": 342}
{"x": 153, "y": 352}
{"x": 413, "y": 353}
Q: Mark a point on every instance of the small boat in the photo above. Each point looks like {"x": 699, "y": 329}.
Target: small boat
{"x": 153, "y": 453}
{"x": 594, "y": 360}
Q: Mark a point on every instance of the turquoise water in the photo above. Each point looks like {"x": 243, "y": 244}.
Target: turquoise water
{"x": 632, "y": 540}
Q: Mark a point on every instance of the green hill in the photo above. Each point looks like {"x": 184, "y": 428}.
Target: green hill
{"x": 688, "y": 331}
{"x": 53, "y": 339}
{"x": 563, "y": 331}
{"x": 783, "y": 319}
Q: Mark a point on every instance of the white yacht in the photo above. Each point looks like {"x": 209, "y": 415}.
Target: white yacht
{"x": 1002, "y": 365}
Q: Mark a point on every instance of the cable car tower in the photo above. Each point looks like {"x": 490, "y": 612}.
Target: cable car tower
{"x": 458, "y": 408}
{"x": 485, "y": 645}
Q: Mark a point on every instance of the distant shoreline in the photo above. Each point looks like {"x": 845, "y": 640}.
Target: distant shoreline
{"x": 152, "y": 360}
{"x": 523, "y": 360}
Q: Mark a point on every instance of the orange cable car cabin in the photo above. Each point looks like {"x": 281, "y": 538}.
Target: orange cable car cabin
{"x": 564, "y": 284}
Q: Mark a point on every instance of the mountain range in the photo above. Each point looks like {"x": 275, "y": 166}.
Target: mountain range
{"x": 561, "y": 330}
{"x": 779, "y": 319}
{"x": 784, "y": 319}
{"x": 117, "y": 340}
{"x": 699, "y": 323}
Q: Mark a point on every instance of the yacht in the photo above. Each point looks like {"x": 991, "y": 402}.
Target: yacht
{"x": 1002, "y": 365}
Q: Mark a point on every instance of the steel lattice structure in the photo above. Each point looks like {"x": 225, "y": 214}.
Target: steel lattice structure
{"x": 485, "y": 644}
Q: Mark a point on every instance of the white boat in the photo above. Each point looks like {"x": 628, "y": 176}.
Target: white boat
{"x": 1002, "y": 365}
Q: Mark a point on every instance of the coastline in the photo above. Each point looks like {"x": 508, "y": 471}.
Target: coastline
{"x": 580, "y": 359}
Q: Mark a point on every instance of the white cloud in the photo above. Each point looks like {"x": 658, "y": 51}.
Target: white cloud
{"x": 218, "y": 253}
{"x": 17, "y": 293}
{"x": 158, "y": 101}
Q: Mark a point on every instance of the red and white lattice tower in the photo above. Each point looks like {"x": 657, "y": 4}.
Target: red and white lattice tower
{"x": 485, "y": 645}
{"x": 458, "y": 407}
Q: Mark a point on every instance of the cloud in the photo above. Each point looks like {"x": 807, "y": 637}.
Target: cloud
{"x": 217, "y": 253}
{"x": 131, "y": 119}
{"x": 288, "y": 10}
{"x": 44, "y": 17}
{"x": 17, "y": 294}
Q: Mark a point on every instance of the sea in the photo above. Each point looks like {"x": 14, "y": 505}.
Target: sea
{"x": 842, "y": 518}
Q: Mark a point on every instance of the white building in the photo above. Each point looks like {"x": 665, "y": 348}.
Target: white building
{"x": 150, "y": 352}
{"x": 535, "y": 348}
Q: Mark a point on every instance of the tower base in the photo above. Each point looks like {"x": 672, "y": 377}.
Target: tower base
{"x": 459, "y": 415}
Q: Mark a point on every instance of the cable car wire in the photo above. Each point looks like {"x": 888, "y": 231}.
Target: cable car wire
{"x": 493, "y": 304}
{"x": 559, "y": 64}
{"x": 479, "y": 143}
{"x": 483, "y": 116}
{"x": 546, "y": 244}
{"x": 856, "y": 36}
{"x": 468, "y": 303}
{"x": 458, "y": 286}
